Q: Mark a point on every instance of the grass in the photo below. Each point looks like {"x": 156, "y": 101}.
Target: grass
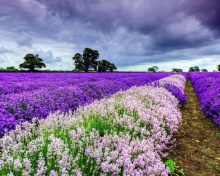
{"x": 174, "y": 169}
{"x": 216, "y": 166}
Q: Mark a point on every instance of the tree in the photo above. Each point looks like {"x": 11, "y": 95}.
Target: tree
{"x": 153, "y": 69}
{"x": 194, "y": 69}
{"x": 218, "y": 67}
{"x": 31, "y": 62}
{"x": 204, "y": 70}
{"x": 104, "y": 65}
{"x": 77, "y": 61}
{"x": 177, "y": 70}
{"x": 112, "y": 67}
{"x": 11, "y": 68}
{"x": 2, "y": 69}
{"x": 87, "y": 60}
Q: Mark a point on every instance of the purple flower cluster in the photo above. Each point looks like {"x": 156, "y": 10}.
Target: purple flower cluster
{"x": 207, "y": 87}
{"x": 175, "y": 86}
{"x": 181, "y": 96}
{"x": 126, "y": 134}
{"x": 24, "y": 96}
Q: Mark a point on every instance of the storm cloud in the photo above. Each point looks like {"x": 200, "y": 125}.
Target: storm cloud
{"x": 4, "y": 50}
{"x": 126, "y": 32}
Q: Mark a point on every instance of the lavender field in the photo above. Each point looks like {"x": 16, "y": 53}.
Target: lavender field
{"x": 207, "y": 87}
{"x": 89, "y": 124}
{"x": 27, "y": 95}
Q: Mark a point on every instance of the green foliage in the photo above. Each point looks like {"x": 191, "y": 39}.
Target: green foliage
{"x": 217, "y": 168}
{"x": 218, "y": 67}
{"x": 153, "y": 69}
{"x": 2, "y": 69}
{"x": 87, "y": 60}
{"x": 31, "y": 62}
{"x": 9, "y": 69}
{"x": 104, "y": 65}
{"x": 97, "y": 122}
{"x": 174, "y": 169}
{"x": 112, "y": 67}
{"x": 12, "y": 69}
{"x": 78, "y": 61}
{"x": 218, "y": 134}
{"x": 194, "y": 69}
{"x": 188, "y": 83}
{"x": 177, "y": 70}
{"x": 204, "y": 70}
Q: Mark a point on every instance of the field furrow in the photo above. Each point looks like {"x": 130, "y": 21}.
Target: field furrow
{"x": 197, "y": 149}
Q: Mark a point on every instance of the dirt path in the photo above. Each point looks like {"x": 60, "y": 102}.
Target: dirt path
{"x": 197, "y": 150}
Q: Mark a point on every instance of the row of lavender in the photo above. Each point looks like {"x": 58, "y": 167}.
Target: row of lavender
{"x": 125, "y": 134}
{"x": 207, "y": 87}
{"x": 24, "y": 96}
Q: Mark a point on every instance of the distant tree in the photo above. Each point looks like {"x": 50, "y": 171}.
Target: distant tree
{"x": 2, "y": 69}
{"x": 87, "y": 60}
{"x": 104, "y": 65}
{"x": 191, "y": 69}
{"x": 194, "y": 69}
{"x": 10, "y": 68}
{"x": 218, "y": 67}
{"x": 78, "y": 61}
{"x": 153, "y": 69}
{"x": 112, "y": 67}
{"x": 95, "y": 65}
{"x": 32, "y": 62}
{"x": 204, "y": 70}
{"x": 177, "y": 70}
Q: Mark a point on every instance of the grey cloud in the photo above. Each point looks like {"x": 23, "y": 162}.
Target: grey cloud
{"x": 48, "y": 57}
{"x": 147, "y": 17}
{"x": 4, "y": 50}
{"x": 208, "y": 12}
{"x": 57, "y": 59}
{"x": 24, "y": 40}
{"x": 125, "y": 32}
{"x": 20, "y": 16}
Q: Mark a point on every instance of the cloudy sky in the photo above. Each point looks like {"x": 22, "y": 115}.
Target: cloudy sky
{"x": 133, "y": 34}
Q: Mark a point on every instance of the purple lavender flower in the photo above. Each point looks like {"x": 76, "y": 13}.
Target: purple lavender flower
{"x": 207, "y": 88}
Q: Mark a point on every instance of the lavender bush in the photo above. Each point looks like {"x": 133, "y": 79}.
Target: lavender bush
{"x": 207, "y": 88}
{"x": 175, "y": 86}
{"x": 27, "y": 95}
{"x": 125, "y": 134}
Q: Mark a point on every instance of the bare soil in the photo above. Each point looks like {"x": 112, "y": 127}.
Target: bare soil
{"x": 197, "y": 149}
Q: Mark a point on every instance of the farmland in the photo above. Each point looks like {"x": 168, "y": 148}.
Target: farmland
{"x": 91, "y": 124}
{"x": 207, "y": 87}
{"x": 197, "y": 142}
{"x": 25, "y": 96}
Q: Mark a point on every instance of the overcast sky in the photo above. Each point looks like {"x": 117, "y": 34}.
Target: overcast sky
{"x": 133, "y": 34}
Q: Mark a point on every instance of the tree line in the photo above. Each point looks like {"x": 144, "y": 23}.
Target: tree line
{"x": 86, "y": 61}
{"x": 191, "y": 69}
{"x": 89, "y": 59}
